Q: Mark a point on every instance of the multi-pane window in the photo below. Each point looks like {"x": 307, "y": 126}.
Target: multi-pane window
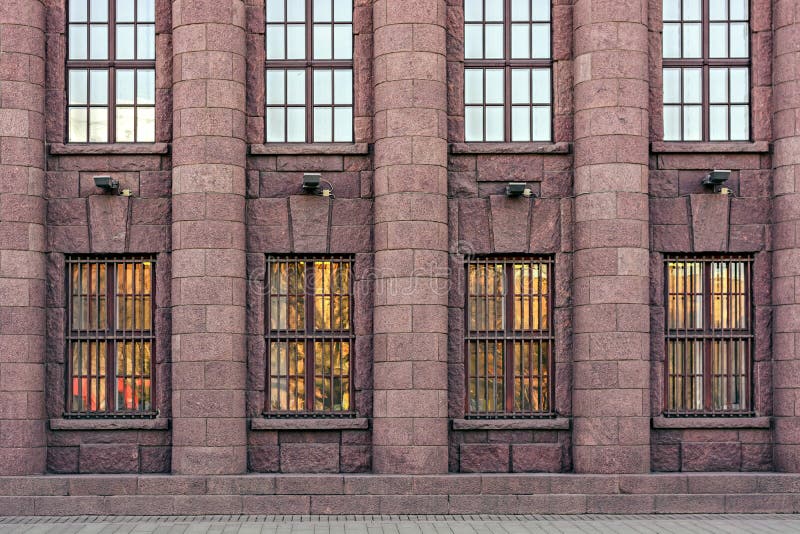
{"x": 709, "y": 336}
{"x": 706, "y": 70}
{"x": 111, "y": 81}
{"x": 309, "y": 335}
{"x": 507, "y": 70}
{"x": 309, "y": 71}
{"x": 509, "y": 337}
{"x": 110, "y": 336}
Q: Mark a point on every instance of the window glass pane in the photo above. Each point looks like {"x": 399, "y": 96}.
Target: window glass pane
{"x": 323, "y": 87}
{"x": 125, "y": 125}
{"x": 125, "y": 40}
{"x": 473, "y": 41}
{"x": 146, "y": 44}
{"x": 296, "y": 11}
{"x": 473, "y": 10}
{"x": 473, "y": 123}
{"x": 77, "y": 11}
{"x": 672, "y": 9}
{"x": 77, "y": 41}
{"x": 541, "y": 10}
{"x": 296, "y": 41}
{"x": 342, "y": 10}
{"x": 275, "y": 10}
{"x": 672, "y": 86}
{"x": 739, "y": 10}
{"x": 98, "y": 10}
{"x": 322, "y": 10}
{"x": 718, "y": 86}
{"x": 672, "y": 123}
{"x": 296, "y": 86}
{"x": 692, "y": 9}
{"x": 718, "y": 40}
{"x": 296, "y": 125}
{"x": 494, "y": 10}
{"x": 739, "y": 39}
{"x": 77, "y": 125}
{"x": 98, "y": 36}
{"x": 520, "y": 123}
{"x": 718, "y": 9}
{"x": 473, "y": 86}
{"x": 146, "y": 10}
{"x": 275, "y": 42}
{"x": 541, "y": 86}
{"x": 692, "y": 41}
{"x": 322, "y": 41}
{"x": 98, "y": 125}
{"x": 520, "y": 10}
{"x": 343, "y": 125}
{"x": 692, "y": 86}
{"x": 740, "y": 123}
{"x": 540, "y": 38}
{"x": 541, "y": 123}
{"x": 520, "y": 86}
{"x": 494, "y": 41}
{"x": 275, "y": 90}
{"x": 671, "y": 46}
{"x": 146, "y": 125}
{"x": 323, "y": 127}
{"x": 718, "y": 123}
{"x": 275, "y": 125}
{"x": 125, "y": 84}
{"x": 494, "y": 123}
{"x": 125, "y": 12}
{"x": 146, "y": 87}
{"x": 98, "y": 87}
{"x": 494, "y": 86}
{"x": 740, "y": 85}
{"x": 342, "y": 86}
{"x": 78, "y": 86}
{"x": 692, "y": 123}
{"x": 520, "y": 40}
{"x": 343, "y": 41}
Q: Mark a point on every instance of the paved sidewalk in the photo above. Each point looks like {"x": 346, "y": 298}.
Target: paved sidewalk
{"x": 589, "y": 524}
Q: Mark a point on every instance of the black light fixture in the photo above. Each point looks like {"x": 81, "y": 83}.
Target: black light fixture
{"x": 716, "y": 180}
{"x": 106, "y": 183}
{"x": 518, "y": 189}
{"x": 311, "y": 182}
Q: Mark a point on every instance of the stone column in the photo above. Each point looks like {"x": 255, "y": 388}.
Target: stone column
{"x": 22, "y": 237}
{"x": 611, "y": 322}
{"x": 786, "y": 237}
{"x": 208, "y": 237}
{"x": 410, "y": 317}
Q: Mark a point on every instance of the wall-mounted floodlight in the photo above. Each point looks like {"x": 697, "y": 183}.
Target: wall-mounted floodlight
{"x": 518, "y": 189}
{"x": 716, "y": 180}
{"x": 311, "y": 182}
{"x": 106, "y": 183}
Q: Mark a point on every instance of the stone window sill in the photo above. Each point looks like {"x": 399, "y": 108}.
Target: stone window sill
{"x": 559, "y": 423}
{"x": 711, "y": 422}
{"x": 339, "y": 423}
{"x": 310, "y": 149}
{"x": 158, "y": 423}
{"x": 758, "y": 147}
{"x": 102, "y": 149}
{"x": 510, "y": 148}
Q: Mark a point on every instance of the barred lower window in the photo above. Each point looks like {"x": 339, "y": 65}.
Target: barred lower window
{"x": 509, "y": 337}
{"x": 706, "y": 70}
{"x": 709, "y": 331}
{"x": 110, "y": 335}
{"x": 309, "y": 335}
{"x": 309, "y": 71}
{"x": 507, "y": 70}
{"x": 111, "y": 80}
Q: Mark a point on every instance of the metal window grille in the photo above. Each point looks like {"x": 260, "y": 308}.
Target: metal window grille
{"x": 309, "y": 336}
{"x": 111, "y": 71}
{"x": 509, "y": 337}
{"x": 508, "y": 67}
{"x": 309, "y": 71}
{"x": 706, "y": 70}
{"x": 110, "y": 336}
{"x": 709, "y": 336}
